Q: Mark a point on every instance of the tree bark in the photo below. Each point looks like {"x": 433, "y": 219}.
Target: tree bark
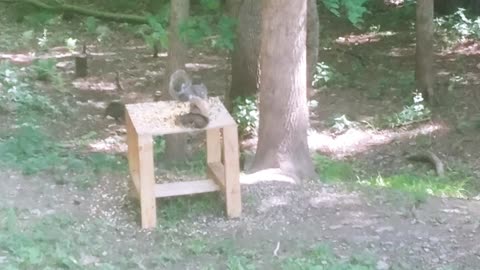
{"x": 176, "y": 144}
{"x": 244, "y": 58}
{"x": 313, "y": 39}
{"x": 283, "y": 127}
{"x": 424, "y": 49}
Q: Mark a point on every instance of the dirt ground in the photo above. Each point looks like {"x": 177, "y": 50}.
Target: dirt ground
{"x": 279, "y": 220}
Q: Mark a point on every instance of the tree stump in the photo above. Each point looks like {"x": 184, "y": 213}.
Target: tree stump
{"x": 81, "y": 67}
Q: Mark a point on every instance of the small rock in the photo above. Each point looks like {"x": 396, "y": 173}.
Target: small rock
{"x": 88, "y": 259}
{"x": 384, "y": 229}
{"x": 65, "y": 65}
{"x": 151, "y": 74}
{"x": 335, "y": 227}
{"x": 388, "y": 243}
{"x": 434, "y": 240}
{"x": 382, "y": 265}
{"x": 36, "y": 212}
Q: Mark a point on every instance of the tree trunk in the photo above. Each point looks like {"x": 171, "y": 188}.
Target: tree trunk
{"x": 313, "y": 42}
{"x": 283, "y": 127}
{"x": 244, "y": 58}
{"x": 176, "y": 144}
{"x": 424, "y": 49}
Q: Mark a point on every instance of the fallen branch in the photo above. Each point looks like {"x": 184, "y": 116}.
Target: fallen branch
{"x": 84, "y": 11}
{"x": 430, "y": 158}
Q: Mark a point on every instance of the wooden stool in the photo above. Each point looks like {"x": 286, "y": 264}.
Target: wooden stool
{"x": 146, "y": 120}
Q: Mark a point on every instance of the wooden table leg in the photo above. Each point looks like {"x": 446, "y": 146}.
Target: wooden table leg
{"x": 147, "y": 181}
{"x": 132, "y": 142}
{"x": 232, "y": 171}
{"x": 214, "y": 149}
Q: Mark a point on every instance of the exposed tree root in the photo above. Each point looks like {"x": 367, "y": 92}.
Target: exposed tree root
{"x": 430, "y": 158}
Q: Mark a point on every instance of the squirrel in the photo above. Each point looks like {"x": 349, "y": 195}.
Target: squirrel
{"x": 115, "y": 109}
{"x": 181, "y": 87}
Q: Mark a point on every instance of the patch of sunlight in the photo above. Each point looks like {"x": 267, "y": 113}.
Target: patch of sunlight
{"x": 94, "y": 84}
{"x": 28, "y": 58}
{"x": 356, "y": 140}
{"x": 267, "y": 175}
{"x": 363, "y": 38}
{"x": 112, "y": 144}
{"x": 18, "y": 58}
{"x": 470, "y": 47}
{"x": 53, "y": 53}
{"x": 435, "y": 186}
{"x": 400, "y": 52}
{"x": 199, "y": 66}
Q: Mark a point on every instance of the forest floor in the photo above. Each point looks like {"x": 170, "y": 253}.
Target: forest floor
{"x": 372, "y": 208}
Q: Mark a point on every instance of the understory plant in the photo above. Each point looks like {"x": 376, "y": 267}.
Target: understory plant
{"x": 414, "y": 113}
{"x": 245, "y": 113}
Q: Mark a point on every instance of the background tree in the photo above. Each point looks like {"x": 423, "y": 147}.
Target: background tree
{"x": 175, "y": 144}
{"x": 424, "y": 49}
{"x": 244, "y": 59}
{"x": 283, "y": 103}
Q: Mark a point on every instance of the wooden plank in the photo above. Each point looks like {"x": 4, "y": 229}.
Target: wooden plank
{"x": 185, "y": 188}
{"x": 147, "y": 181}
{"x": 214, "y": 148}
{"x": 232, "y": 171}
{"x": 216, "y": 172}
{"x": 133, "y": 189}
{"x": 158, "y": 118}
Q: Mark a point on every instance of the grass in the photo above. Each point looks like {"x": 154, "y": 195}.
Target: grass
{"x": 46, "y": 243}
{"x": 61, "y": 241}
{"x": 427, "y": 184}
{"x": 32, "y": 151}
{"x": 195, "y": 165}
{"x": 333, "y": 170}
{"x": 177, "y": 209}
{"x": 29, "y": 148}
{"x": 322, "y": 257}
{"x": 453, "y": 185}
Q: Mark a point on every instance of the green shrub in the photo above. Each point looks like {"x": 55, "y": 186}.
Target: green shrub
{"x": 245, "y": 112}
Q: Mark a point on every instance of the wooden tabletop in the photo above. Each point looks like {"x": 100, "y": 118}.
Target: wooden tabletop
{"x": 158, "y": 118}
